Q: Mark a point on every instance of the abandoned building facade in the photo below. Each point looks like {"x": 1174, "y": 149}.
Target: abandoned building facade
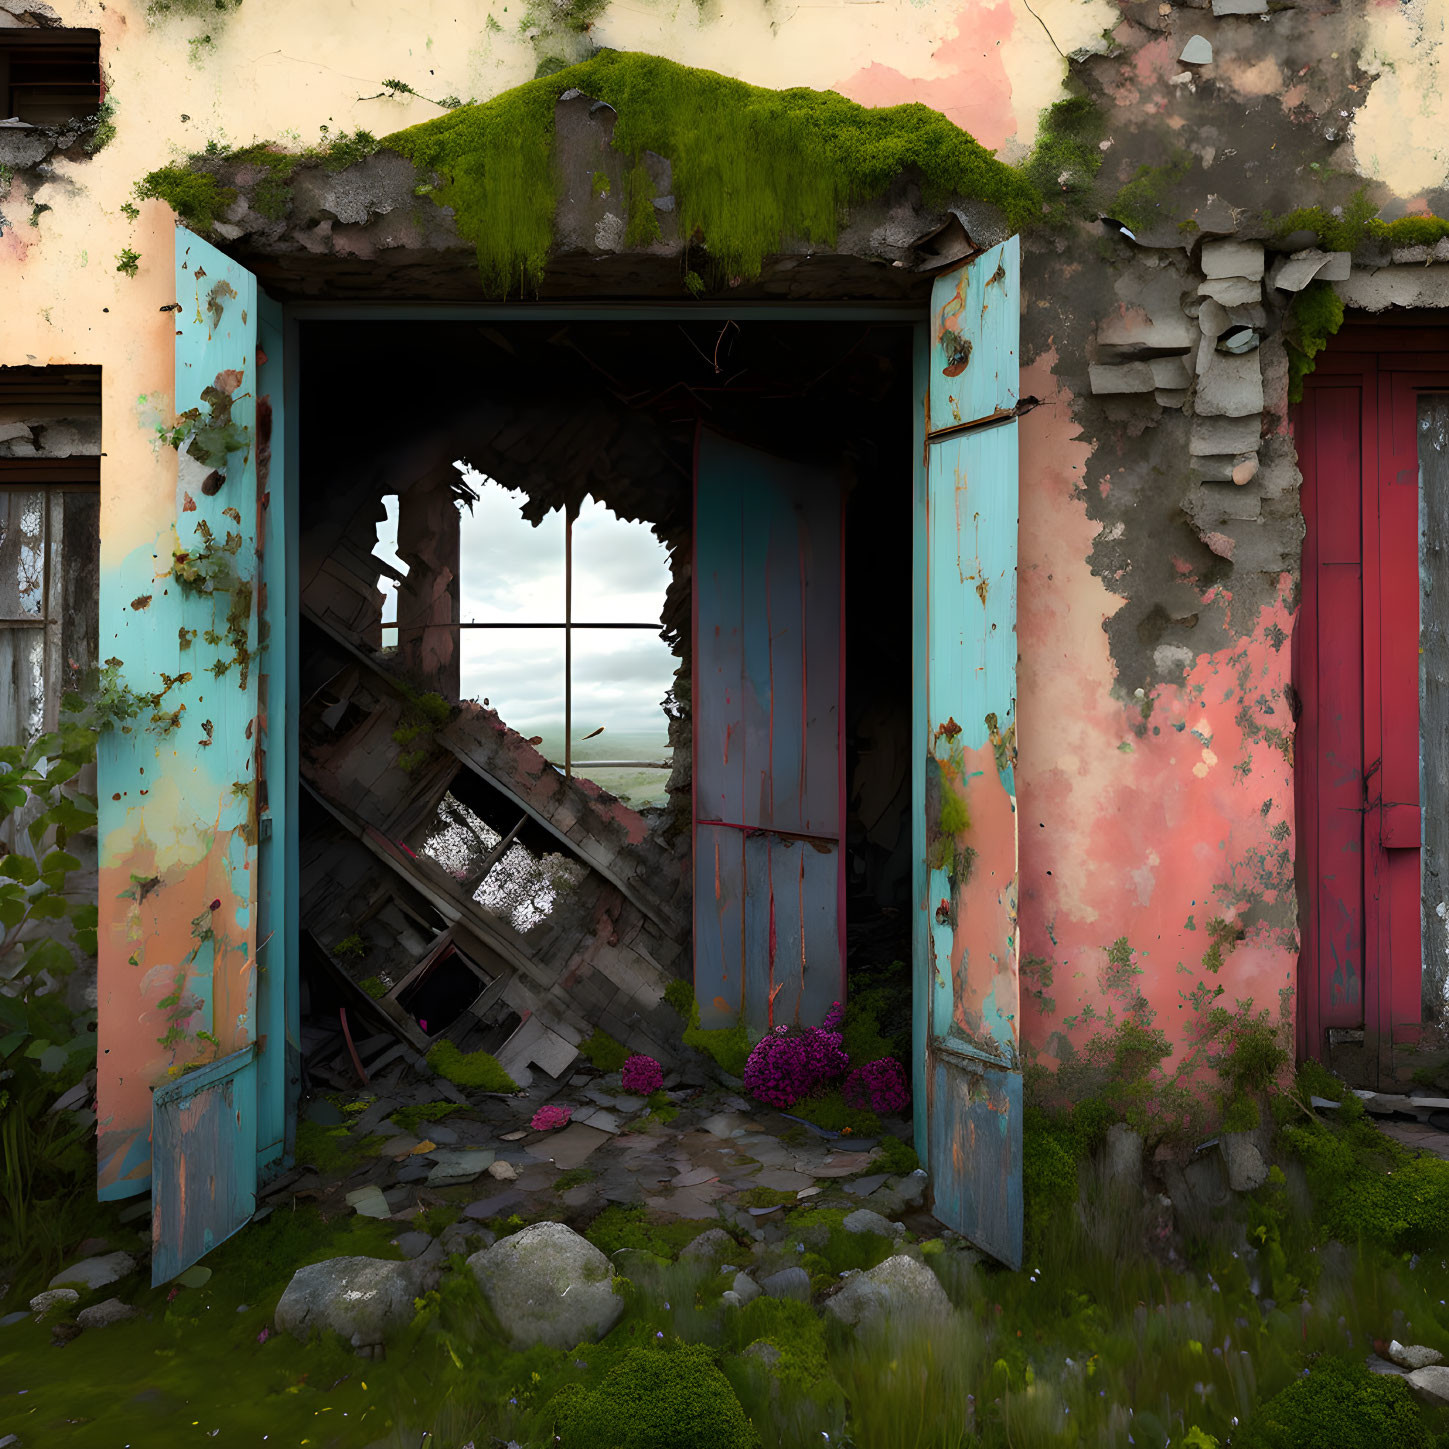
{"x": 543, "y": 503}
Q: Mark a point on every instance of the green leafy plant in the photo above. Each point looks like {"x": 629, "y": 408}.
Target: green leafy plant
{"x": 128, "y": 261}
{"x": 351, "y": 947}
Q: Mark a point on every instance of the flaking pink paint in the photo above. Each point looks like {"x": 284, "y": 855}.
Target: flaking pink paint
{"x": 974, "y": 92}
{"x": 1133, "y": 842}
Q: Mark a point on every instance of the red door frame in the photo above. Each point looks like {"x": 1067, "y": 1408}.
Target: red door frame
{"x": 1360, "y": 410}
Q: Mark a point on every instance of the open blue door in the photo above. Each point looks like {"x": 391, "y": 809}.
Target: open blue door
{"x": 220, "y": 1119}
{"x": 968, "y": 1102}
{"x": 769, "y": 883}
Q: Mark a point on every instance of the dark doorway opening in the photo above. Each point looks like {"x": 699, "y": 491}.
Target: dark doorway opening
{"x": 406, "y": 424}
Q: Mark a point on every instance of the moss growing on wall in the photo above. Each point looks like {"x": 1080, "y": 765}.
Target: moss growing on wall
{"x": 752, "y": 168}
{"x": 1139, "y": 203}
{"x": 1064, "y": 163}
{"x": 1316, "y": 314}
{"x": 197, "y": 197}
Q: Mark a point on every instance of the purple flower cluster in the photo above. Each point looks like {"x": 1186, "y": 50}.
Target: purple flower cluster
{"x": 879, "y": 1085}
{"x": 642, "y": 1075}
{"x": 787, "y": 1065}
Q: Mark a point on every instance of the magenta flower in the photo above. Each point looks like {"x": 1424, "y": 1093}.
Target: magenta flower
{"x": 547, "y": 1118}
{"x": 788, "y": 1064}
{"x": 642, "y": 1075}
{"x": 879, "y": 1085}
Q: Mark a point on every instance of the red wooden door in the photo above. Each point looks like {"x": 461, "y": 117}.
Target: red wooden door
{"x": 1357, "y": 676}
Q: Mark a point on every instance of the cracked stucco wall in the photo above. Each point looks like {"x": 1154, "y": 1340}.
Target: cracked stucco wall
{"x": 1158, "y": 584}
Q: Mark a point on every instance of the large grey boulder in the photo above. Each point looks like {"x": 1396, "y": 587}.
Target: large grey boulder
{"x": 548, "y": 1285}
{"x": 363, "y": 1299}
{"x": 788, "y": 1283}
{"x": 898, "y": 1287}
{"x": 714, "y": 1245}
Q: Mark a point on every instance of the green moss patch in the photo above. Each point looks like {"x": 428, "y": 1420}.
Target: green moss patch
{"x": 333, "y": 1150}
{"x": 604, "y": 1052}
{"x": 1342, "y": 1404}
{"x": 621, "y": 1226}
{"x": 470, "y": 1069}
{"x": 1369, "y": 1189}
{"x": 669, "y": 1397}
{"x": 753, "y": 169}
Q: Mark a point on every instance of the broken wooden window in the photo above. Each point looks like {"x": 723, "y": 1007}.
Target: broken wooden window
{"x": 49, "y": 557}
{"x": 560, "y": 633}
{"x": 49, "y": 76}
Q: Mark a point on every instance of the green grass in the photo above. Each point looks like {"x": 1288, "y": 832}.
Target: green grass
{"x": 604, "y": 1052}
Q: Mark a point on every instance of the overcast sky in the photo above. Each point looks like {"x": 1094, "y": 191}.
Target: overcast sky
{"x": 512, "y": 570}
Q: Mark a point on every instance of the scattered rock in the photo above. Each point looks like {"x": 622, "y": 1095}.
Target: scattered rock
{"x": 96, "y": 1272}
{"x": 412, "y": 1244}
{"x": 1414, "y": 1356}
{"x": 369, "y": 1201}
{"x": 1431, "y": 1384}
{"x": 745, "y": 1289}
{"x": 1197, "y": 51}
{"x": 911, "y": 1189}
{"x": 863, "y": 1220}
{"x": 458, "y": 1165}
{"x": 363, "y": 1299}
{"x": 103, "y": 1315}
{"x": 1244, "y": 1163}
{"x": 712, "y": 1246}
{"x": 19, "y": 1316}
{"x": 548, "y": 1285}
{"x": 502, "y": 1171}
{"x": 1122, "y": 1155}
{"x": 900, "y": 1285}
{"x": 42, "y": 1303}
{"x": 787, "y": 1283}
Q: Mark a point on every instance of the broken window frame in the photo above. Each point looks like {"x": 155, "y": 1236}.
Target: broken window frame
{"x": 568, "y": 625}
{"x": 51, "y": 479}
{"x": 62, "y": 54}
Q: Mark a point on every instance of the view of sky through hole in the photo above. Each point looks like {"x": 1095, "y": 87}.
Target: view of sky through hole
{"x": 522, "y": 887}
{"x": 386, "y": 550}
{"x": 514, "y": 571}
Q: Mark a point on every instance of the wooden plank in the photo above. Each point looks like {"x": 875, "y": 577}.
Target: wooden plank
{"x": 206, "y": 1124}
{"x": 1338, "y": 907}
{"x": 965, "y": 826}
{"x": 767, "y": 727}
{"x": 975, "y": 339}
{"x": 1433, "y": 451}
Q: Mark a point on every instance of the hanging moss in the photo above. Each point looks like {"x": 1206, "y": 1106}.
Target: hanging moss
{"x": 197, "y": 197}
{"x": 1064, "y": 163}
{"x": 1317, "y": 313}
{"x": 752, "y": 168}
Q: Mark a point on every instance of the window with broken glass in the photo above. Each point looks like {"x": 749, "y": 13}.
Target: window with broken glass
{"x": 49, "y": 542}
{"x": 559, "y": 632}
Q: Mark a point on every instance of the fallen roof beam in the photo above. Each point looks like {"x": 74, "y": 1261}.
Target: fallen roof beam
{"x": 593, "y": 854}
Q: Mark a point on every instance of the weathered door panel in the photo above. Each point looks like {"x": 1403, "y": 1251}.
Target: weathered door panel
{"x": 1357, "y": 669}
{"x": 193, "y": 1043}
{"x": 768, "y": 761}
{"x": 204, "y": 1125}
{"x": 968, "y": 1075}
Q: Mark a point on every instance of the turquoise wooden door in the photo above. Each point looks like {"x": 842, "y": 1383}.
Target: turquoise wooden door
{"x": 968, "y": 1102}
{"x": 769, "y": 883}
{"x": 221, "y": 1121}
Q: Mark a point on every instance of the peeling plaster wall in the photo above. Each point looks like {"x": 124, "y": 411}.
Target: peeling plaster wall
{"x": 1156, "y": 599}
